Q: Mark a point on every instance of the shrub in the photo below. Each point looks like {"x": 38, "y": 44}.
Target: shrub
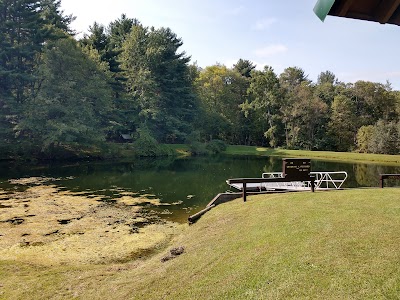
{"x": 216, "y": 146}
{"x": 146, "y": 145}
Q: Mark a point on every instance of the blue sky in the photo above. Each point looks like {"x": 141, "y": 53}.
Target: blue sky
{"x": 281, "y": 34}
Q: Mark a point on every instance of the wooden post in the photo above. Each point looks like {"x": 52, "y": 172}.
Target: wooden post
{"x": 381, "y": 185}
{"x": 312, "y": 184}
{"x": 244, "y": 191}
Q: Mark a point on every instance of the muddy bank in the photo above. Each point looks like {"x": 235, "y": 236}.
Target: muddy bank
{"x": 48, "y": 225}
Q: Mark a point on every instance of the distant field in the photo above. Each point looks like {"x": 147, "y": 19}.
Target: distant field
{"x": 324, "y": 155}
{"x": 323, "y": 245}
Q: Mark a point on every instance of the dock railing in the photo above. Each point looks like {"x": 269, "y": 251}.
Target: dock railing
{"x": 323, "y": 180}
{"x": 245, "y": 181}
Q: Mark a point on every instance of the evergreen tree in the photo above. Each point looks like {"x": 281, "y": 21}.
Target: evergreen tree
{"x": 97, "y": 39}
{"x": 119, "y": 30}
{"x": 22, "y": 35}
{"x": 244, "y": 67}
{"x": 26, "y": 27}
{"x": 73, "y": 101}
{"x": 158, "y": 79}
{"x": 55, "y": 21}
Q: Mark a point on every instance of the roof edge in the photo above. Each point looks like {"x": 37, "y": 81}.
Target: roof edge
{"x": 322, "y": 8}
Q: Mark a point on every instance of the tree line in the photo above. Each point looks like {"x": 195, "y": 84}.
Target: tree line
{"x": 61, "y": 95}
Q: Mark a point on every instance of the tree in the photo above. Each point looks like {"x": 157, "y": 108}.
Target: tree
{"x": 326, "y": 87}
{"x": 97, "y": 39}
{"x": 73, "y": 101}
{"x": 159, "y": 82}
{"x": 117, "y": 33}
{"x": 343, "y": 125}
{"x": 265, "y": 94}
{"x": 221, "y": 91}
{"x": 308, "y": 119}
{"x": 385, "y": 138}
{"x": 119, "y": 30}
{"x": 290, "y": 79}
{"x": 21, "y": 39}
{"x": 22, "y": 36}
{"x": 326, "y": 77}
{"x": 56, "y": 22}
{"x": 244, "y": 67}
{"x": 364, "y": 136}
{"x": 26, "y": 27}
{"x": 374, "y": 101}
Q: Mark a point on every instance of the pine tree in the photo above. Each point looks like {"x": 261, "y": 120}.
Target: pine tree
{"x": 73, "y": 103}
{"x": 56, "y": 23}
{"x": 159, "y": 80}
{"x": 21, "y": 39}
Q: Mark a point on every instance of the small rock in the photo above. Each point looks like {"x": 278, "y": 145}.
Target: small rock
{"x": 174, "y": 253}
{"x": 177, "y": 251}
{"x": 167, "y": 258}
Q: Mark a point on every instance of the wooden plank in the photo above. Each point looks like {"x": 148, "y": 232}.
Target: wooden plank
{"x": 343, "y": 9}
{"x": 386, "y": 10}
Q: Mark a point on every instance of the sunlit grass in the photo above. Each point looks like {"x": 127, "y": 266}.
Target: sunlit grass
{"x": 324, "y": 155}
{"x": 323, "y": 245}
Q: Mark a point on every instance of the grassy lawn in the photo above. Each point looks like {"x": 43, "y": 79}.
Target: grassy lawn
{"x": 383, "y": 159}
{"x": 325, "y": 155}
{"x": 323, "y": 245}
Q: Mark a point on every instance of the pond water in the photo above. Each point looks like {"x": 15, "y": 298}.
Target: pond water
{"x": 187, "y": 183}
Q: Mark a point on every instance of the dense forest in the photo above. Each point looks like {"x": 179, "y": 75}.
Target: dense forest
{"x": 61, "y": 95}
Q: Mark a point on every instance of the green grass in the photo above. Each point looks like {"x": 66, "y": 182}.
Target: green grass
{"x": 323, "y": 245}
{"x": 323, "y": 155}
{"x": 383, "y": 159}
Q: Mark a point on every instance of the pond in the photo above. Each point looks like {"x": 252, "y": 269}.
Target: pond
{"x": 184, "y": 185}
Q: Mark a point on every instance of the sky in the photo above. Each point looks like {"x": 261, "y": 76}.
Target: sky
{"x": 279, "y": 34}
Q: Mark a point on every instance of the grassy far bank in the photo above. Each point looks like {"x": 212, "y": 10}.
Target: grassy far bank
{"x": 323, "y": 155}
{"x": 333, "y": 245}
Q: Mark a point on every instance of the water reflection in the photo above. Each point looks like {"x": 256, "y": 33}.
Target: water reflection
{"x": 188, "y": 183}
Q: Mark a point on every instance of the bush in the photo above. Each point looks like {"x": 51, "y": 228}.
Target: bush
{"x": 216, "y": 146}
{"x": 197, "y": 148}
{"x": 146, "y": 145}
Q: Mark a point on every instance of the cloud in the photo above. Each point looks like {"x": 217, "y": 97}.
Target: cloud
{"x": 270, "y": 50}
{"x": 264, "y": 23}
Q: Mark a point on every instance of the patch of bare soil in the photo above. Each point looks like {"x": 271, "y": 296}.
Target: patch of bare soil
{"x": 46, "y": 225}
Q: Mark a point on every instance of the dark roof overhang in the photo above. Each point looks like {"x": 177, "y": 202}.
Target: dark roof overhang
{"x": 382, "y": 11}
